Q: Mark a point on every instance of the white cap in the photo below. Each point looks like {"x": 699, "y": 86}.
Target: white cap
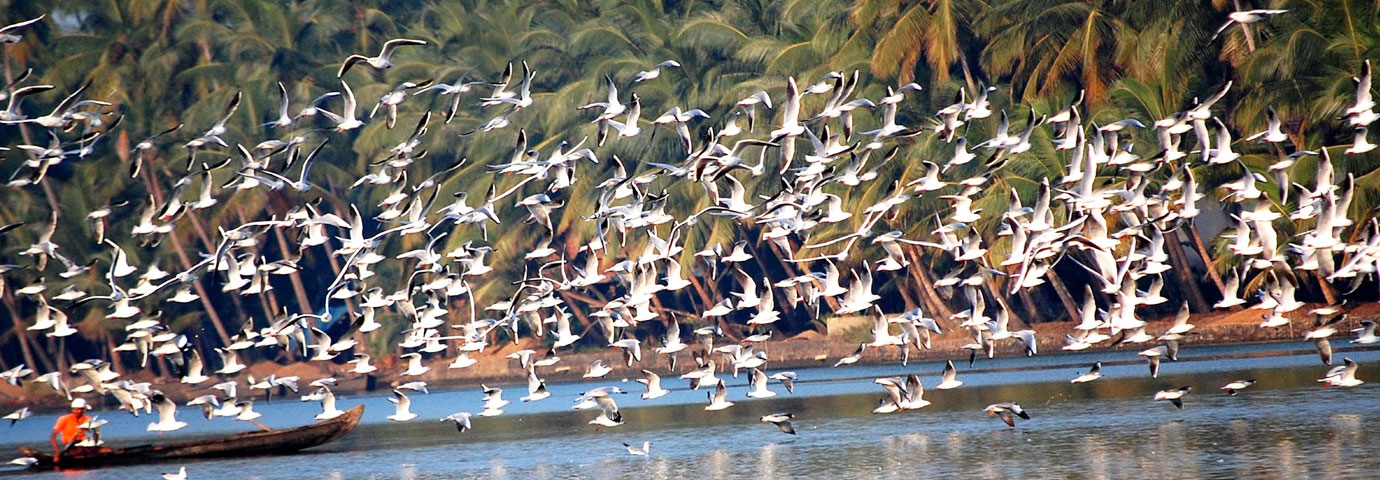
{"x": 79, "y": 403}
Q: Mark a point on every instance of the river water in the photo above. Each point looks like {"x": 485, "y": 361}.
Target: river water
{"x": 1286, "y": 426}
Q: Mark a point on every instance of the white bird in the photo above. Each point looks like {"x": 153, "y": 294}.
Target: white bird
{"x": 653, "y": 383}
{"x": 1236, "y": 386}
{"x": 167, "y": 414}
{"x": 493, "y": 401}
{"x": 787, "y": 380}
{"x": 1181, "y": 325}
{"x": 1094, "y": 373}
{"x": 347, "y": 119}
{"x": 404, "y": 407}
{"x": 609, "y": 415}
{"x": 246, "y": 411}
{"x": 383, "y": 60}
{"x": 328, "y": 410}
{"x": 1244, "y": 18}
{"x": 1230, "y": 295}
{"x": 180, "y": 475}
{"x": 17, "y": 415}
{"x": 655, "y": 71}
{"x": 790, "y": 115}
{"x": 646, "y": 448}
{"x": 362, "y": 365}
{"x": 949, "y": 379}
{"x": 1273, "y": 132}
{"x": 758, "y": 381}
{"x": 1173, "y": 395}
{"x": 854, "y": 357}
{"x": 1342, "y": 376}
{"x": 597, "y": 369}
{"x": 1366, "y": 334}
{"x": 414, "y": 365}
{"x": 1008, "y": 411}
{"x": 8, "y": 35}
{"x": 536, "y": 388}
{"x": 781, "y": 420}
{"x": 1359, "y": 143}
{"x": 718, "y": 400}
{"x": 461, "y": 419}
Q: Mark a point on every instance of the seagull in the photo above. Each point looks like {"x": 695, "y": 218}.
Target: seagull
{"x": 1244, "y": 18}
{"x": 362, "y": 365}
{"x": 1153, "y": 356}
{"x": 1236, "y": 386}
{"x": 347, "y": 119}
{"x": 1342, "y": 376}
{"x": 597, "y": 369}
{"x": 1359, "y": 143}
{"x": 787, "y": 380}
{"x": 17, "y": 415}
{"x": 854, "y": 357}
{"x": 8, "y": 35}
{"x": 1008, "y": 411}
{"x": 536, "y": 388}
{"x": 1364, "y": 335}
{"x": 655, "y": 71}
{"x": 758, "y": 381}
{"x": 461, "y": 419}
{"x": 167, "y": 414}
{"x": 493, "y": 401}
{"x": 608, "y": 410}
{"x": 247, "y": 412}
{"x": 949, "y": 379}
{"x": 781, "y": 420}
{"x": 1273, "y": 132}
{"x": 653, "y": 383}
{"x": 380, "y": 62}
{"x": 646, "y": 447}
{"x": 180, "y": 475}
{"x": 749, "y": 105}
{"x": 719, "y": 399}
{"x": 404, "y": 406}
{"x": 414, "y": 365}
{"x": 1094, "y": 373}
{"x": 1174, "y": 395}
{"x": 14, "y": 375}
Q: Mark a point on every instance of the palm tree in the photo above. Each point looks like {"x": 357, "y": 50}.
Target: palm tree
{"x": 939, "y": 30}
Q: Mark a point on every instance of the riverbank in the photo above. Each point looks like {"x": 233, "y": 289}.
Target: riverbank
{"x": 805, "y": 350}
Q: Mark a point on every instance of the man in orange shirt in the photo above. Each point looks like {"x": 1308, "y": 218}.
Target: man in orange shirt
{"x": 69, "y": 426}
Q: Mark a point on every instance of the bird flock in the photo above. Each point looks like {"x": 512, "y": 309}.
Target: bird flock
{"x": 1109, "y": 214}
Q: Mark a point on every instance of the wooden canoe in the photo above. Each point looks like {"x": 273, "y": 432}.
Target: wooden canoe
{"x": 252, "y": 443}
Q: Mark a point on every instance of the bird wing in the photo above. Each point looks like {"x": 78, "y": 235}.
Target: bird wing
{"x": 349, "y": 62}
{"x": 391, "y": 45}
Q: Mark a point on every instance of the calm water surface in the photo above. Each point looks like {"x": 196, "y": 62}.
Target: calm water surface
{"x": 1286, "y": 426}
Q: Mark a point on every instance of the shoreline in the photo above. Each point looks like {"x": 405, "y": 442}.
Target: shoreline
{"x": 803, "y": 351}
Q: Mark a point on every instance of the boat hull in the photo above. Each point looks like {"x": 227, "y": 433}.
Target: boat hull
{"x": 253, "y": 443}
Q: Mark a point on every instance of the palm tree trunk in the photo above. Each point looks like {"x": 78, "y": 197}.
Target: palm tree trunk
{"x": 115, "y": 362}
{"x": 967, "y": 73}
{"x": 1207, "y": 260}
{"x": 28, "y": 139}
{"x": 1329, "y": 292}
{"x": 303, "y": 304}
{"x": 1187, "y": 283}
{"x": 1057, "y": 283}
{"x": 150, "y": 178}
{"x": 1028, "y": 302}
{"x": 920, "y": 273}
{"x": 20, "y": 334}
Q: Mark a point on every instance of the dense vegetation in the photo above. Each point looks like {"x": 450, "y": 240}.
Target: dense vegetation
{"x": 164, "y": 62}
